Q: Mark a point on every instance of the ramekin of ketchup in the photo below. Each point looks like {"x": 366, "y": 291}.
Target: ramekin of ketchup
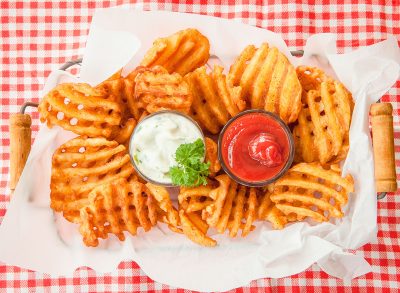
{"x": 255, "y": 148}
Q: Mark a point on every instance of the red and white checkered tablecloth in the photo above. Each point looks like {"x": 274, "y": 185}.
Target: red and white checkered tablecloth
{"x": 38, "y": 36}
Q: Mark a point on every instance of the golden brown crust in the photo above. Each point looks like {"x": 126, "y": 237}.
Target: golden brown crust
{"x": 115, "y": 207}
{"x": 156, "y": 90}
{"x": 80, "y": 165}
{"x": 214, "y": 100}
{"x": 80, "y": 108}
{"x": 310, "y": 190}
{"x": 268, "y": 81}
{"x": 322, "y": 133}
{"x": 181, "y": 52}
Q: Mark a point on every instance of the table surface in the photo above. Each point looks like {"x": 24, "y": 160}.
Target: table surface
{"x": 39, "y": 36}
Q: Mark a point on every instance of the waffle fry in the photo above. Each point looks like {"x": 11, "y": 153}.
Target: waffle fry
{"x": 233, "y": 208}
{"x": 157, "y": 90}
{"x": 122, "y": 89}
{"x": 123, "y": 132}
{"x": 310, "y": 77}
{"x": 80, "y": 165}
{"x": 191, "y": 202}
{"x": 214, "y": 101}
{"x": 230, "y": 96}
{"x": 267, "y": 211}
{"x": 193, "y": 227}
{"x": 80, "y": 108}
{"x": 194, "y": 199}
{"x": 268, "y": 81}
{"x": 212, "y": 156}
{"x": 181, "y": 52}
{"x": 168, "y": 212}
{"x": 309, "y": 190}
{"x": 322, "y": 133}
{"x": 115, "y": 207}
{"x": 224, "y": 205}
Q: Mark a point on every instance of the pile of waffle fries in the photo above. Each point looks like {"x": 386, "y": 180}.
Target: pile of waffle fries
{"x": 94, "y": 184}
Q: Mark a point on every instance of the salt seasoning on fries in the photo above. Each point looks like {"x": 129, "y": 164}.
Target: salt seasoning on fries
{"x": 94, "y": 183}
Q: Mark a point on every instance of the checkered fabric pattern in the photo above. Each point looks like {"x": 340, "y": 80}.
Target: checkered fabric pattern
{"x": 39, "y": 36}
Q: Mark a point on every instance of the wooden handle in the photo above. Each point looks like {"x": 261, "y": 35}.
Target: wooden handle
{"x": 383, "y": 143}
{"x": 20, "y": 145}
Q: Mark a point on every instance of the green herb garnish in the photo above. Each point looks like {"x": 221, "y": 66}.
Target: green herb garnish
{"x": 191, "y": 171}
{"x": 135, "y": 157}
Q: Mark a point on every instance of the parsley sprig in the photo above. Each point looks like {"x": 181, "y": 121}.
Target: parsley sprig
{"x": 191, "y": 170}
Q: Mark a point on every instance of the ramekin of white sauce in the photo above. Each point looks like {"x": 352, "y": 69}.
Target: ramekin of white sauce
{"x": 154, "y": 142}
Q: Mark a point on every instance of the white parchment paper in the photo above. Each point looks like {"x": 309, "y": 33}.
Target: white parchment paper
{"x": 32, "y": 237}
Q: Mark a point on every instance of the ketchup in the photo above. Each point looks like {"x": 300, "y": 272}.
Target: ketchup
{"x": 255, "y": 147}
{"x": 266, "y": 150}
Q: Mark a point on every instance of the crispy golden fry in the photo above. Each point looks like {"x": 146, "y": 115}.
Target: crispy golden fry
{"x": 224, "y": 205}
{"x": 191, "y": 202}
{"x": 169, "y": 214}
{"x": 322, "y": 133}
{"x": 244, "y": 212}
{"x": 190, "y": 227}
{"x": 122, "y": 133}
{"x": 218, "y": 195}
{"x": 230, "y": 96}
{"x": 181, "y": 52}
{"x": 268, "y": 81}
{"x": 269, "y": 212}
{"x": 122, "y": 89}
{"x": 80, "y": 108}
{"x": 310, "y": 77}
{"x": 80, "y": 165}
{"x": 309, "y": 190}
{"x": 196, "y": 219}
{"x": 195, "y": 199}
{"x": 115, "y": 207}
{"x": 157, "y": 90}
{"x": 214, "y": 101}
{"x": 212, "y": 156}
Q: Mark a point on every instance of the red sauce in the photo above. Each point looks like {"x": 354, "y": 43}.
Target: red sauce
{"x": 255, "y": 147}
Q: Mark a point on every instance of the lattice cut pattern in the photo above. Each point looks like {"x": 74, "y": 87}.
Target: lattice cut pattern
{"x": 115, "y": 207}
{"x": 268, "y": 81}
{"x": 214, "y": 100}
{"x": 310, "y": 190}
{"x": 181, "y": 52}
{"x": 81, "y": 164}
{"x": 80, "y": 108}
{"x": 322, "y": 133}
{"x": 156, "y": 90}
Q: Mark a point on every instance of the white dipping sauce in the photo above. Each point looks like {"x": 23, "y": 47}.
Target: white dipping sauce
{"x": 155, "y": 140}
